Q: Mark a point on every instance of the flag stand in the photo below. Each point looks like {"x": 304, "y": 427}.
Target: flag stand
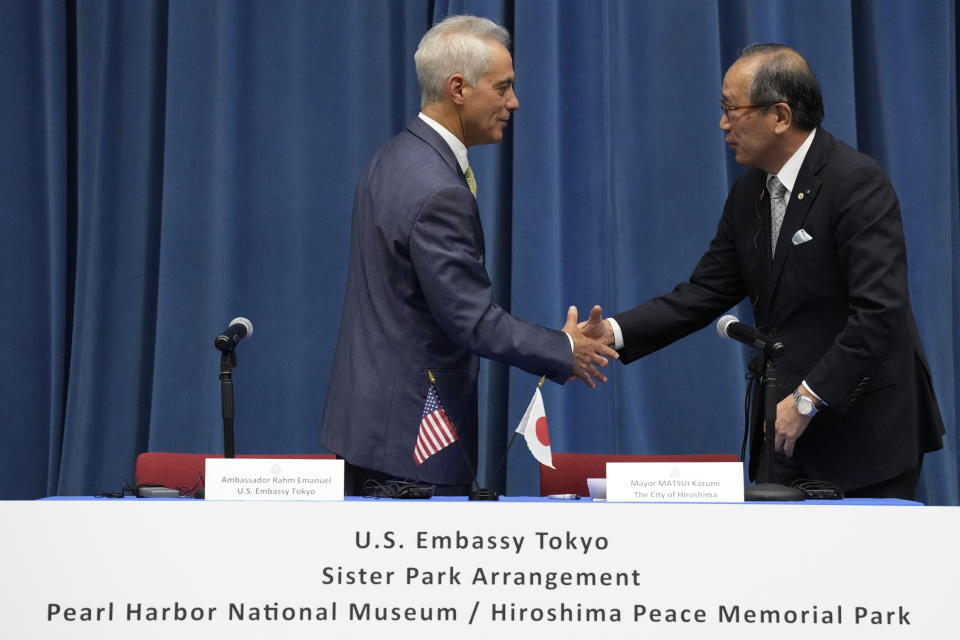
{"x": 479, "y": 493}
{"x": 512, "y": 438}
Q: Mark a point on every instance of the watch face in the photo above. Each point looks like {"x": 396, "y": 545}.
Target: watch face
{"x": 804, "y": 405}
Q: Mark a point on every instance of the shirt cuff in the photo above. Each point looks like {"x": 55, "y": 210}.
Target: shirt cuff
{"x": 814, "y": 393}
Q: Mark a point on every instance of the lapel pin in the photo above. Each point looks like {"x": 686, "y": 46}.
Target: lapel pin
{"x": 800, "y": 196}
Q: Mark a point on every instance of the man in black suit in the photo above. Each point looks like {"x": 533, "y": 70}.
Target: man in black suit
{"x": 856, "y": 405}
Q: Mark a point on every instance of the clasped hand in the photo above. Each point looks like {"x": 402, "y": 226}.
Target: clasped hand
{"x": 589, "y": 354}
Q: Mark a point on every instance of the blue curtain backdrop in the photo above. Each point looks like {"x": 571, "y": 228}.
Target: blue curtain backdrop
{"x": 166, "y": 166}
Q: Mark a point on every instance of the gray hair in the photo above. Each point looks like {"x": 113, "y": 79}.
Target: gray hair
{"x": 783, "y": 75}
{"x": 458, "y": 44}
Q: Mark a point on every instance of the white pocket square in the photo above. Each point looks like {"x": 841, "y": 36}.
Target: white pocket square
{"x": 800, "y": 237}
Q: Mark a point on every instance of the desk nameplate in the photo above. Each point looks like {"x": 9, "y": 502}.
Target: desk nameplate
{"x": 675, "y": 481}
{"x": 273, "y": 479}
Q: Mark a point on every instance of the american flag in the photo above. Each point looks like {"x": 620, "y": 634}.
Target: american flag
{"x": 436, "y": 432}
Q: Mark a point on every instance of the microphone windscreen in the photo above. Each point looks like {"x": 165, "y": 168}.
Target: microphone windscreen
{"x": 724, "y": 323}
{"x": 246, "y": 325}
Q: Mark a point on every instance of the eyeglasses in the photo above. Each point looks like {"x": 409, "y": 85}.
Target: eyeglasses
{"x": 726, "y": 108}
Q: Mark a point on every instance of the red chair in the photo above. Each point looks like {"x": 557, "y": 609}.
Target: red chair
{"x": 185, "y": 470}
{"x": 573, "y": 469}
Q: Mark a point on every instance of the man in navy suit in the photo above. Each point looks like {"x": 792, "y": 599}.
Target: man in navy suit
{"x": 418, "y": 297}
{"x": 856, "y": 405}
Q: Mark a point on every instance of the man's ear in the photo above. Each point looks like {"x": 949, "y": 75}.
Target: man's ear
{"x": 455, "y": 87}
{"x": 784, "y": 116}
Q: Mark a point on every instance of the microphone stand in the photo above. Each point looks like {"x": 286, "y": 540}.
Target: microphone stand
{"x": 770, "y": 490}
{"x": 228, "y": 360}
{"x": 479, "y": 493}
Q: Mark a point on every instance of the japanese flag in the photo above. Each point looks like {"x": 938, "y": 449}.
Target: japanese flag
{"x": 533, "y": 427}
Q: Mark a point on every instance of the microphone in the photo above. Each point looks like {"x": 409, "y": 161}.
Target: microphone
{"x": 729, "y": 327}
{"x": 239, "y": 329}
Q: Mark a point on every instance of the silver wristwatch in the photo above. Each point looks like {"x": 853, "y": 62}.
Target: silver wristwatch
{"x": 805, "y": 404}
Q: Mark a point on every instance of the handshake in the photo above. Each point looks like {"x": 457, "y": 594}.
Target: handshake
{"x": 591, "y": 345}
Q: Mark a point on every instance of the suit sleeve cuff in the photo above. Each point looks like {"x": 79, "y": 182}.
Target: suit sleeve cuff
{"x": 617, "y": 334}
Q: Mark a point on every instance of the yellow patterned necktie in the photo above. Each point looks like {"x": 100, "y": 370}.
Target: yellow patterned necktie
{"x": 471, "y": 181}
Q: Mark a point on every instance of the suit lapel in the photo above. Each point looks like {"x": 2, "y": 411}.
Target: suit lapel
{"x": 804, "y": 194}
{"x": 757, "y": 225}
{"x": 425, "y": 132}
